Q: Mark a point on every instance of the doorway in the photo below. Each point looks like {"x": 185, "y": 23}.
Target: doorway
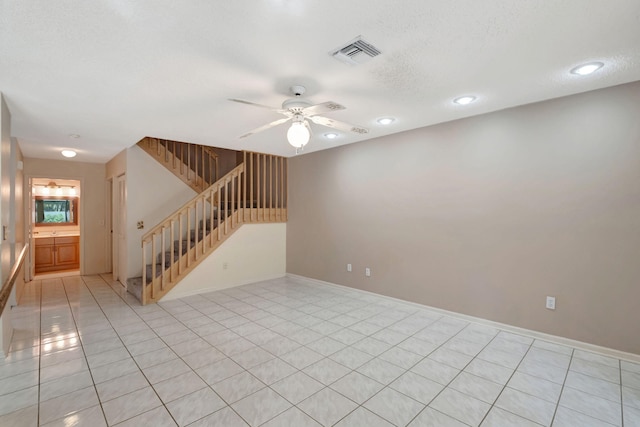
{"x": 55, "y": 224}
{"x": 118, "y": 229}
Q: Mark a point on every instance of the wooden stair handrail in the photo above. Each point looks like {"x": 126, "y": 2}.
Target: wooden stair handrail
{"x": 219, "y": 183}
{"x": 7, "y": 286}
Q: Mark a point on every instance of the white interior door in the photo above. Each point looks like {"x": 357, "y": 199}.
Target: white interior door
{"x": 120, "y": 236}
{"x": 30, "y": 271}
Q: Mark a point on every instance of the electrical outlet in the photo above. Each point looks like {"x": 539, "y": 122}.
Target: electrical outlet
{"x": 349, "y": 267}
{"x": 551, "y": 303}
{"x": 225, "y": 265}
{"x": 367, "y": 272}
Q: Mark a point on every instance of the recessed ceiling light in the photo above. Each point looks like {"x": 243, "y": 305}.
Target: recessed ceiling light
{"x": 69, "y": 153}
{"x": 74, "y": 135}
{"x": 464, "y": 100}
{"x": 586, "y": 69}
{"x": 331, "y": 135}
{"x": 386, "y": 120}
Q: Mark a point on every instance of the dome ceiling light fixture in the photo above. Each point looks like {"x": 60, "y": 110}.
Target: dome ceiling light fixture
{"x": 464, "y": 100}
{"x": 68, "y": 153}
{"x": 586, "y": 69}
{"x": 298, "y": 134}
{"x": 385, "y": 120}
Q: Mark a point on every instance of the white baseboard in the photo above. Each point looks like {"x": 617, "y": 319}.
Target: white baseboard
{"x": 503, "y": 326}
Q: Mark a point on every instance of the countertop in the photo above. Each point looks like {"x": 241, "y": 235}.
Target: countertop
{"x": 57, "y": 234}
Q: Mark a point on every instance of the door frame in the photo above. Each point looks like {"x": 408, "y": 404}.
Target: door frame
{"x": 29, "y": 207}
{"x": 118, "y": 217}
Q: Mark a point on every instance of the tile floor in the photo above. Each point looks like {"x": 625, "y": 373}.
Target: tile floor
{"x": 288, "y": 352}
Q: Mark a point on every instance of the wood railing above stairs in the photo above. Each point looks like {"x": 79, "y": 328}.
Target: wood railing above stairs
{"x": 196, "y": 165}
{"x": 253, "y": 192}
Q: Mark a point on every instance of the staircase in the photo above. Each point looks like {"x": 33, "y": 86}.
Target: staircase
{"x": 255, "y": 191}
{"x": 196, "y": 165}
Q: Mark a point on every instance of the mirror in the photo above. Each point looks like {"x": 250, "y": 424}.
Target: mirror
{"x": 56, "y": 211}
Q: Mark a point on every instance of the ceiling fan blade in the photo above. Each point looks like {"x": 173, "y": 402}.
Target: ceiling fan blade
{"x": 265, "y": 127}
{"x": 325, "y": 107}
{"x": 345, "y": 127}
{"x": 277, "y": 110}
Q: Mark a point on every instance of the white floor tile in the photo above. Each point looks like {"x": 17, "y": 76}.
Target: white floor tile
{"x": 66, "y": 404}
{"x": 73, "y": 332}
{"x": 237, "y": 387}
{"x": 224, "y": 417}
{"x": 327, "y": 406}
{"x": 192, "y": 407}
{"x": 261, "y": 406}
{"x": 394, "y": 407}
{"x": 460, "y": 406}
{"x": 297, "y": 387}
{"x": 291, "y": 417}
{"x": 178, "y": 386}
{"x": 526, "y": 406}
{"x": 357, "y": 387}
{"x": 362, "y": 417}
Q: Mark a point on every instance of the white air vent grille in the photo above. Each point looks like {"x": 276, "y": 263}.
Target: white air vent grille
{"x": 355, "y": 52}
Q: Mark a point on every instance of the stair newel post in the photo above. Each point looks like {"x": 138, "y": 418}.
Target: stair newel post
{"x": 244, "y": 185}
{"x": 202, "y": 166}
{"x": 173, "y": 154}
{"x": 153, "y": 264}
{"x": 270, "y": 186}
{"x": 281, "y": 192}
{"x": 251, "y": 204}
{"x": 264, "y": 186}
{"x": 172, "y": 249}
{"x": 233, "y": 196}
{"x": 166, "y": 150}
{"x": 143, "y": 293}
{"x": 181, "y": 225}
{"x": 226, "y": 206}
{"x": 196, "y": 232}
{"x": 162, "y": 257}
{"x": 204, "y": 224}
{"x": 211, "y": 218}
{"x": 285, "y": 188}
{"x": 258, "y": 196}
{"x": 277, "y": 188}
{"x": 239, "y": 198}
{"x": 219, "y": 205}
{"x": 188, "y": 236}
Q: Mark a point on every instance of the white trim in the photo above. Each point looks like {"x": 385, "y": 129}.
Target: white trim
{"x": 509, "y": 328}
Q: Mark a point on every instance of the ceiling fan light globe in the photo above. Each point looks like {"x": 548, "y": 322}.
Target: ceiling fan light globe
{"x": 298, "y": 134}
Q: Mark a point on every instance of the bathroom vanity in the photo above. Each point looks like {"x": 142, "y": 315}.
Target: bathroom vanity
{"x": 57, "y": 253}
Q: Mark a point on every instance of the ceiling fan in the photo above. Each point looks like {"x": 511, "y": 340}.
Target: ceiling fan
{"x": 300, "y": 111}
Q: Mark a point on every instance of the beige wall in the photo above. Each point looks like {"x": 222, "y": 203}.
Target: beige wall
{"x": 5, "y": 188}
{"x": 92, "y": 205}
{"x": 11, "y": 217}
{"x": 487, "y": 216}
{"x": 253, "y": 253}
{"x": 153, "y": 193}
{"x": 117, "y": 165}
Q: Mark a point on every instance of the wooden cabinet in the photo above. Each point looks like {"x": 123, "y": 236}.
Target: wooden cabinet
{"x": 57, "y": 253}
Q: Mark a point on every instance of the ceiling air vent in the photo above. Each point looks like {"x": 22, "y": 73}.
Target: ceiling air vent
{"x": 355, "y": 52}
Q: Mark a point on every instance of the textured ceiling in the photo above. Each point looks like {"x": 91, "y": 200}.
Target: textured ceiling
{"x": 116, "y": 71}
